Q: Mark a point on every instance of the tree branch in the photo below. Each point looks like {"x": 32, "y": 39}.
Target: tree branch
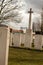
{"x": 6, "y": 4}
{"x": 5, "y": 12}
{"x": 2, "y": 2}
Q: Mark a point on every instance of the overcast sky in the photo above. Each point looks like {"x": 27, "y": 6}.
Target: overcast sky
{"x": 36, "y": 6}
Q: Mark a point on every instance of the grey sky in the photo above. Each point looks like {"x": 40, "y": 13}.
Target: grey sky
{"x": 35, "y": 4}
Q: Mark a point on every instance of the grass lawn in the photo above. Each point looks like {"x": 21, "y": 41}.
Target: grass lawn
{"x": 25, "y": 57}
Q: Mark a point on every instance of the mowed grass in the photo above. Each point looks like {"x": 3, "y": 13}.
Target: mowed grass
{"x": 25, "y": 57}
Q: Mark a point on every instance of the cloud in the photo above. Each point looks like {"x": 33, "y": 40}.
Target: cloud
{"x": 36, "y": 4}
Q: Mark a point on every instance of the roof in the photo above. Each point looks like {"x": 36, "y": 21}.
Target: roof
{"x": 12, "y": 30}
{"x": 16, "y": 31}
{"x": 1, "y": 25}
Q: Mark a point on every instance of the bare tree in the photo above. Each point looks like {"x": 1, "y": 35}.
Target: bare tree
{"x": 9, "y": 11}
{"x": 42, "y": 21}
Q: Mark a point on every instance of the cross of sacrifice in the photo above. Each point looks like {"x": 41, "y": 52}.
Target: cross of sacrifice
{"x": 30, "y": 17}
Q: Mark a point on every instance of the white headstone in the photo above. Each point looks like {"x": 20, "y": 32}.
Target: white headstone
{"x": 4, "y": 45}
{"x": 28, "y": 39}
{"x": 42, "y": 40}
{"x": 38, "y": 42}
{"x": 22, "y": 39}
{"x": 16, "y": 39}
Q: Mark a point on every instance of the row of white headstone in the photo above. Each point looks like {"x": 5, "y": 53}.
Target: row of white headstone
{"x": 21, "y": 38}
{"x": 26, "y": 39}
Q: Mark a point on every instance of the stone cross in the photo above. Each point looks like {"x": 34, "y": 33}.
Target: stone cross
{"x": 30, "y": 17}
